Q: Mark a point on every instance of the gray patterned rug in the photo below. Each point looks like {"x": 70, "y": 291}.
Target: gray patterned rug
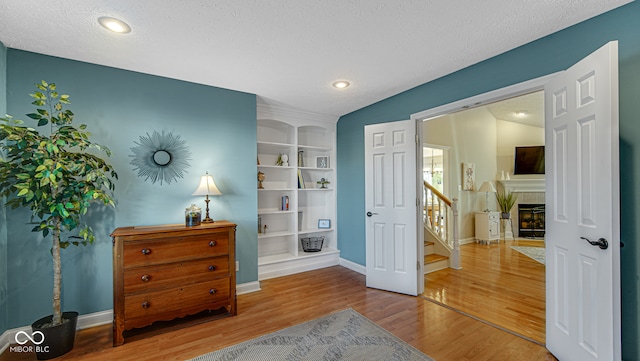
{"x": 345, "y": 335}
{"x": 536, "y": 253}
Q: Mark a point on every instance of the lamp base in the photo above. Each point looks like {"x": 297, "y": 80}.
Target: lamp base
{"x": 207, "y": 220}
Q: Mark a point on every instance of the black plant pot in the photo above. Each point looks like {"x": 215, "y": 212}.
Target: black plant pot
{"x": 58, "y": 340}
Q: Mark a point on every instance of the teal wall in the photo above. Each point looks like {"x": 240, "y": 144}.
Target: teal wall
{"x": 119, "y": 106}
{"x": 550, "y": 54}
{"x": 3, "y": 220}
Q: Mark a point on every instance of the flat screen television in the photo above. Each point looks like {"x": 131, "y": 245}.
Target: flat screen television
{"x": 529, "y": 160}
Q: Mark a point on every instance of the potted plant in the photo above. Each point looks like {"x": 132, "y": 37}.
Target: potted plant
{"x": 506, "y": 201}
{"x": 57, "y": 175}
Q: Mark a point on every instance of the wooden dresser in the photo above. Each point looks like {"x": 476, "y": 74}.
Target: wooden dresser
{"x": 170, "y": 271}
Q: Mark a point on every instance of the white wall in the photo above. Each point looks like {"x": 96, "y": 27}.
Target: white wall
{"x": 476, "y": 136}
{"x": 472, "y": 136}
{"x": 510, "y": 135}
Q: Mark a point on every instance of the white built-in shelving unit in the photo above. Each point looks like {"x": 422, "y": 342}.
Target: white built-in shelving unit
{"x": 286, "y": 131}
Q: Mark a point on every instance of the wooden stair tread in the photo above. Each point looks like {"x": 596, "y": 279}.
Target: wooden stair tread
{"x": 428, "y": 243}
{"x": 432, "y": 258}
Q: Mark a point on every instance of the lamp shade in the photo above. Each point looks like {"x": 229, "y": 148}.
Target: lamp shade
{"x": 487, "y": 187}
{"x": 207, "y": 187}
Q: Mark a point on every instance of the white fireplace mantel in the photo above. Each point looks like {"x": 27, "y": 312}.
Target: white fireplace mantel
{"x": 523, "y": 185}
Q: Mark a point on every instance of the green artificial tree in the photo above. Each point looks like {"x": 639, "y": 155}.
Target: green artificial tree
{"x": 56, "y": 174}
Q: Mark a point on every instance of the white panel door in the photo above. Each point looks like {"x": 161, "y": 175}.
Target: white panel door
{"x": 391, "y": 209}
{"x": 583, "y": 273}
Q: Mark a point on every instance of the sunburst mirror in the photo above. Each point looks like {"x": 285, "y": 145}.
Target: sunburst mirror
{"x": 160, "y": 157}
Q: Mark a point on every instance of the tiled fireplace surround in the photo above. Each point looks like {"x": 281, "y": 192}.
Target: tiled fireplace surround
{"x": 529, "y": 191}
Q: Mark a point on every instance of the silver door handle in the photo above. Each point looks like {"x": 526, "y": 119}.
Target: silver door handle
{"x": 369, "y": 214}
{"x": 602, "y": 243}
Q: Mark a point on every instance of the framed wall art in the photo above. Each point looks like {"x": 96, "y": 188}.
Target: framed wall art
{"x": 322, "y": 161}
{"x": 468, "y": 176}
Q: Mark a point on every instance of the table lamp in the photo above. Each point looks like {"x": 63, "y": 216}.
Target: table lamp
{"x": 487, "y": 187}
{"x": 207, "y": 188}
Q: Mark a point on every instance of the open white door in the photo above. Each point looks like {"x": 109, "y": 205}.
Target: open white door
{"x": 390, "y": 192}
{"x": 583, "y": 272}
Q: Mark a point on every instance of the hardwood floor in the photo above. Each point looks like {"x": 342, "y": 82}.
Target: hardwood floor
{"x": 435, "y": 330}
{"x": 496, "y": 284}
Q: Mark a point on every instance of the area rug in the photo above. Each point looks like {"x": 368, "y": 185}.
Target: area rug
{"x": 345, "y": 335}
{"x": 536, "y": 253}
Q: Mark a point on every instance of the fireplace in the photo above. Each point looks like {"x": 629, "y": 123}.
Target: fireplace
{"x": 531, "y": 220}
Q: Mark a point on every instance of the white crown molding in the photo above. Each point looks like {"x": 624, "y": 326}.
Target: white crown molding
{"x": 270, "y": 111}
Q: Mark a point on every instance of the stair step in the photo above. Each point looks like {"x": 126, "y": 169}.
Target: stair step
{"x": 429, "y": 247}
{"x": 435, "y": 262}
{"x": 432, "y": 258}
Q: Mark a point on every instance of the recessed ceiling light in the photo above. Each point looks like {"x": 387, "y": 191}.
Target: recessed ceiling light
{"x": 115, "y": 25}
{"x": 341, "y": 84}
{"x": 521, "y": 113}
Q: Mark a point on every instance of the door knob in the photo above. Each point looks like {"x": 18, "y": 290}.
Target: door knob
{"x": 602, "y": 243}
{"x": 369, "y": 214}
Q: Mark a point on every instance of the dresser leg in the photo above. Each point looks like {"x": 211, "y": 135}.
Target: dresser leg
{"x": 118, "y": 338}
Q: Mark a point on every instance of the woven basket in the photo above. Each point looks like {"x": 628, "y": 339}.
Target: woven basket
{"x": 312, "y": 244}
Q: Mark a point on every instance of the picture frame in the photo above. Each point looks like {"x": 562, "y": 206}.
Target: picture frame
{"x": 324, "y": 223}
{"x": 468, "y": 176}
{"x": 322, "y": 161}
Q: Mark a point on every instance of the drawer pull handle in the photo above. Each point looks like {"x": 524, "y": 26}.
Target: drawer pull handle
{"x": 212, "y": 268}
{"x": 146, "y": 251}
{"x": 145, "y": 278}
{"x": 212, "y": 291}
{"x": 145, "y": 305}
{"x": 212, "y": 243}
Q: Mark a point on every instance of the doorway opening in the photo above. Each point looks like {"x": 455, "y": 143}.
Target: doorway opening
{"x": 499, "y": 282}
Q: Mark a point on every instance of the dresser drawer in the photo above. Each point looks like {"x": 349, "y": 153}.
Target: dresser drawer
{"x": 170, "y": 300}
{"x": 174, "y": 249}
{"x": 144, "y": 279}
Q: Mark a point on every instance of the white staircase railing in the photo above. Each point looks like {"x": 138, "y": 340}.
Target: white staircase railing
{"x": 440, "y": 216}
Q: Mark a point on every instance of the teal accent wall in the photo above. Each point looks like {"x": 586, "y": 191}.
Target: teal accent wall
{"x": 3, "y": 219}
{"x": 119, "y": 106}
{"x": 553, "y": 53}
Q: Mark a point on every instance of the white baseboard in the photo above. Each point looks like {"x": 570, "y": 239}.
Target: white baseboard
{"x": 353, "y": 266}
{"x": 248, "y": 287}
{"x": 467, "y": 240}
{"x": 84, "y": 321}
{"x": 297, "y": 265}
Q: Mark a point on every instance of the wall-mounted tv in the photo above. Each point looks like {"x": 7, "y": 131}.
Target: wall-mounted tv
{"x": 529, "y": 160}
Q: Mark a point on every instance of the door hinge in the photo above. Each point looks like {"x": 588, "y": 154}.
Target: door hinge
{"x": 417, "y": 265}
{"x": 417, "y": 139}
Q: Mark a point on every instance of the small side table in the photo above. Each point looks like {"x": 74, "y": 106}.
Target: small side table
{"x": 487, "y": 227}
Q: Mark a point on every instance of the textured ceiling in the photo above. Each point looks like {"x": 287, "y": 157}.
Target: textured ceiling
{"x": 288, "y": 52}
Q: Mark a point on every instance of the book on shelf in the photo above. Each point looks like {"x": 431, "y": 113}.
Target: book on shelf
{"x": 300, "y": 180}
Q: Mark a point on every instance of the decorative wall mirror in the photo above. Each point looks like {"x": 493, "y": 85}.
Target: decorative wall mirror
{"x": 160, "y": 157}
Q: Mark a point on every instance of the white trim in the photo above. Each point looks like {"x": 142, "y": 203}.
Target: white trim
{"x": 353, "y": 266}
{"x": 84, "y": 321}
{"x": 524, "y": 185}
{"x": 271, "y": 111}
{"x": 485, "y": 98}
{"x": 94, "y": 319}
{"x": 466, "y": 241}
{"x": 248, "y": 287}
{"x": 297, "y": 265}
